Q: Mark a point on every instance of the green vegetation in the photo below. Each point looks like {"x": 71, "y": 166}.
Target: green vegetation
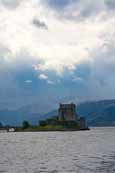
{"x": 52, "y": 124}
{"x": 25, "y": 125}
{"x": 49, "y": 127}
{"x": 42, "y": 128}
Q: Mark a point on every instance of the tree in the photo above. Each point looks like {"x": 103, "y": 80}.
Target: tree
{"x": 25, "y": 124}
{"x": 42, "y": 123}
{"x": 1, "y": 125}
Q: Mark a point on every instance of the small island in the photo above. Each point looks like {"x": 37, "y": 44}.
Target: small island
{"x": 66, "y": 120}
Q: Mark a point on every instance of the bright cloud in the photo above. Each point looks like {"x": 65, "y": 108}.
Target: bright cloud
{"x": 43, "y": 77}
{"x": 57, "y": 44}
{"x": 28, "y": 81}
{"x": 50, "y": 82}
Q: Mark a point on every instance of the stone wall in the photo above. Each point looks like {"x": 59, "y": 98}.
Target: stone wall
{"x": 67, "y": 112}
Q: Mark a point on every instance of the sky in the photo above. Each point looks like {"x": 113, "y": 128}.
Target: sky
{"x": 54, "y": 51}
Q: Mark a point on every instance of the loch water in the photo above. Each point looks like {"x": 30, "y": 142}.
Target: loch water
{"x": 58, "y": 152}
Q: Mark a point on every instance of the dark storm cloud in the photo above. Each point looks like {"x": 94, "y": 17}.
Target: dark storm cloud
{"x": 58, "y": 4}
{"x": 100, "y": 76}
{"x": 11, "y": 4}
{"x": 79, "y": 9}
{"x": 110, "y": 4}
{"x": 40, "y": 24}
{"x": 75, "y": 9}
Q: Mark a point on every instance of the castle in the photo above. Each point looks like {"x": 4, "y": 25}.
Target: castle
{"x": 67, "y": 112}
{"x": 67, "y": 117}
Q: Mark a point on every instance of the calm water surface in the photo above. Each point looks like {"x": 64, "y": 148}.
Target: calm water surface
{"x": 58, "y": 152}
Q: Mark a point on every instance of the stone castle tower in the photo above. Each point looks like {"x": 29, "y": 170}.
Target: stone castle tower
{"x": 67, "y": 112}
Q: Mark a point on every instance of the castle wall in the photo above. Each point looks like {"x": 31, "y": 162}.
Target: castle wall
{"x": 67, "y": 112}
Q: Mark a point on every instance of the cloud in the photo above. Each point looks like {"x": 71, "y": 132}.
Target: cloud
{"x": 66, "y": 44}
{"x": 40, "y": 24}
{"x": 76, "y": 9}
{"x": 28, "y": 81}
{"x": 98, "y": 76}
{"x": 46, "y": 78}
{"x": 58, "y": 4}
{"x": 11, "y": 4}
{"x": 79, "y": 9}
{"x": 43, "y": 77}
{"x": 77, "y": 49}
{"x": 50, "y": 82}
{"x": 110, "y": 4}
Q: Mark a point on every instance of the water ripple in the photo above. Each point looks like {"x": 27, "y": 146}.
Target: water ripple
{"x": 58, "y": 152}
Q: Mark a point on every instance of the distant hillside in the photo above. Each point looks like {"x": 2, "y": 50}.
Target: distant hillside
{"x": 16, "y": 117}
{"x": 97, "y": 113}
{"x": 8, "y": 117}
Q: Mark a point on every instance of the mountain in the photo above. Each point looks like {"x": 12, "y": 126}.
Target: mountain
{"x": 33, "y": 113}
{"x": 97, "y": 113}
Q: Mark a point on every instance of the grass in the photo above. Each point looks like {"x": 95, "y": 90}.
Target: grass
{"x": 42, "y": 128}
{"x": 48, "y": 127}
